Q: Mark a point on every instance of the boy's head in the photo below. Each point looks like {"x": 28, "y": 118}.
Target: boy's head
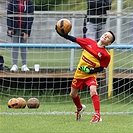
{"x": 107, "y": 38}
{"x": 113, "y": 39}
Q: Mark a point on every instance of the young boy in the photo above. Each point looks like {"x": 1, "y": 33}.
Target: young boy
{"x": 94, "y": 59}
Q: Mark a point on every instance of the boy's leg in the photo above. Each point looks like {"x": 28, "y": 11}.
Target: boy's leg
{"x": 76, "y": 99}
{"x": 96, "y": 104}
{"x": 80, "y": 107}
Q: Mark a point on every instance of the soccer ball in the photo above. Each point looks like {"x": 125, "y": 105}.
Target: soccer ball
{"x": 33, "y": 103}
{"x": 13, "y": 103}
{"x": 64, "y": 26}
{"x": 22, "y": 102}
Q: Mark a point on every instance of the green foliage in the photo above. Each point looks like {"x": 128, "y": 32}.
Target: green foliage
{"x": 46, "y": 5}
{"x": 73, "y": 5}
{"x": 126, "y": 5}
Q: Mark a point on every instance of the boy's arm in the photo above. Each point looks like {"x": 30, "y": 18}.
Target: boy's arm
{"x": 66, "y": 36}
{"x": 90, "y": 70}
{"x": 82, "y": 68}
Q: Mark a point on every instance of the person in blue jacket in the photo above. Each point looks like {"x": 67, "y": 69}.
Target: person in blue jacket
{"x": 19, "y": 29}
{"x": 95, "y": 26}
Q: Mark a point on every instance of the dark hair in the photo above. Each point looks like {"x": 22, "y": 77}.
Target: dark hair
{"x": 112, "y": 35}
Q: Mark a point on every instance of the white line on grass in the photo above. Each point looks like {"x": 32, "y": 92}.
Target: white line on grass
{"x": 62, "y": 113}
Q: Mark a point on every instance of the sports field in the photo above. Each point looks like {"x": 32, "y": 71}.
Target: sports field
{"x": 61, "y": 58}
{"x": 62, "y": 120}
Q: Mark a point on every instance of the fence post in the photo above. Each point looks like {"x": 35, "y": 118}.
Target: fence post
{"x": 119, "y": 10}
{"x": 72, "y": 60}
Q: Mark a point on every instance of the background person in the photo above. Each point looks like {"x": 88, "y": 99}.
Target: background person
{"x": 95, "y": 27}
{"x": 19, "y": 29}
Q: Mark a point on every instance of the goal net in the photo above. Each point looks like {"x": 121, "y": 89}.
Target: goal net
{"x": 58, "y": 59}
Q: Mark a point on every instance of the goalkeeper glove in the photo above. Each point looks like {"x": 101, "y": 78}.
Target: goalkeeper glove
{"x": 84, "y": 69}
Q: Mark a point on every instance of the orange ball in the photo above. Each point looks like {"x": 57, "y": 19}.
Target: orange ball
{"x": 64, "y": 26}
{"x": 22, "y": 102}
{"x": 13, "y": 103}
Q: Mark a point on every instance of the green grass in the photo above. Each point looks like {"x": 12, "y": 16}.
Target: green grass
{"x": 47, "y": 119}
{"x": 45, "y": 57}
{"x": 62, "y": 123}
{"x": 48, "y": 58}
{"x": 123, "y": 59}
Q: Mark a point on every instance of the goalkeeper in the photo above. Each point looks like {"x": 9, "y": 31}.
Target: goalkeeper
{"x": 94, "y": 59}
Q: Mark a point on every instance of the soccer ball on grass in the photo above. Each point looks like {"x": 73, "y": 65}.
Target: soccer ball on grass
{"x": 33, "y": 103}
{"x": 22, "y": 102}
{"x": 13, "y": 103}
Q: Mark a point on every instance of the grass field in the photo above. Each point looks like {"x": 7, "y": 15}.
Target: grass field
{"x": 42, "y": 121}
{"x": 61, "y": 58}
{"x": 64, "y": 124}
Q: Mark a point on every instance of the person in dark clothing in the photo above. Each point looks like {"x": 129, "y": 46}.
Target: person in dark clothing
{"x": 94, "y": 26}
{"x": 19, "y": 29}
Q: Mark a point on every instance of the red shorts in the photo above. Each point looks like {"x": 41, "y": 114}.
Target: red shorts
{"x": 81, "y": 83}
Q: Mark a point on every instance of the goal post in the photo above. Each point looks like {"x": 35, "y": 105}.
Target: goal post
{"x": 110, "y": 73}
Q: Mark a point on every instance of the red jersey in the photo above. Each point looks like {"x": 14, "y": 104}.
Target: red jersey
{"x": 20, "y": 11}
{"x": 92, "y": 57}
